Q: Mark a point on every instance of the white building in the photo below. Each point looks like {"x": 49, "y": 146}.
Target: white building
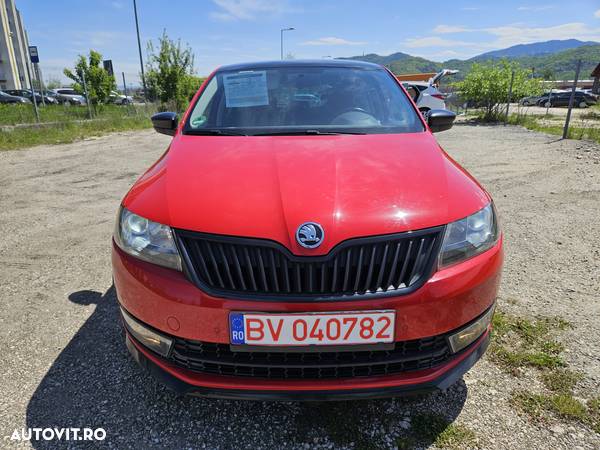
{"x": 14, "y": 56}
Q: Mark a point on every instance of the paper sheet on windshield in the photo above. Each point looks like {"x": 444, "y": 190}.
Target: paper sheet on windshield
{"x": 244, "y": 89}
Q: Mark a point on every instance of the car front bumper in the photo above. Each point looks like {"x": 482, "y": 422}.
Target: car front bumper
{"x": 166, "y": 301}
{"x": 415, "y": 383}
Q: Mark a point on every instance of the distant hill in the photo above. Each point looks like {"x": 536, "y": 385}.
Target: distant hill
{"x": 561, "y": 63}
{"x": 535, "y": 49}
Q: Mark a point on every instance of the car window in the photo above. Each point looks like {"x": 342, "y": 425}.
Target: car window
{"x": 67, "y": 91}
{"x": 296, "y": 98}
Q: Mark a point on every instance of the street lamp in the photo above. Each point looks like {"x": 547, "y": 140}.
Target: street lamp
{"x": 137, "y": 29}
{"x": 282, "y": 30}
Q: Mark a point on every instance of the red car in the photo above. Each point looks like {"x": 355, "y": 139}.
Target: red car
{"x": 305, "y": 237}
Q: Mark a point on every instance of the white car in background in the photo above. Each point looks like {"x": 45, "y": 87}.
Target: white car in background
{"x": 68, "y": 95}
{"x": 120, "y": 99}
{"x": 426, "y": 94}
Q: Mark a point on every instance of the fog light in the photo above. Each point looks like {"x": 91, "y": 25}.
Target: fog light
{"x": 149, "y": 338}
{"x": 469, "y": 334}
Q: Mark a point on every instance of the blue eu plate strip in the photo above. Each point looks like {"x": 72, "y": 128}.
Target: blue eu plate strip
{"x": 236, "y": 327}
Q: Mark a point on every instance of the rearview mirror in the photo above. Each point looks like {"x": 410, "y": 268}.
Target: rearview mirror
{"x": 165, "y": 122}
{"x": 440, "y": 120}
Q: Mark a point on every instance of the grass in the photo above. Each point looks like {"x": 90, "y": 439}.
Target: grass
{"x": 561, "y": 380}
{"x": 520, "y": 342}
{"x": 435, "y": 428}
{"x": 564, "y": 406}
{"x": 72, "y": 124}
{"x": 533, "y": 122}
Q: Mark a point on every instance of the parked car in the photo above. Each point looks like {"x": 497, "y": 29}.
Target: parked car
{"x": 38, "y": 96}
{"x": 305, "y": 237}
{"x": 120, "y": 99}
{"x": 68, "y": 95}
{"x": 426, "y": 94}
{"x": 581, "y": 100}
{"x": 529, "y": 101}
{"x": 7, "y": 98}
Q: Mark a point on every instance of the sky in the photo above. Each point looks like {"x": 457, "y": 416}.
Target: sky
{"x": 230, "y": 31}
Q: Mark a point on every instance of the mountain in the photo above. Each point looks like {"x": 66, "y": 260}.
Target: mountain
{"x": 561, "y": 64}
{"x": 535, "y": 49}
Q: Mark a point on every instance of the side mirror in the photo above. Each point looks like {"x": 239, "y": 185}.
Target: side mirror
{"x": 440, "y": 120}
{"x": 165, "y": 122}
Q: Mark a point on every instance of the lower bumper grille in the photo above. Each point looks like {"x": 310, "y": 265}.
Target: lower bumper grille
{"x": 219, "y": 359}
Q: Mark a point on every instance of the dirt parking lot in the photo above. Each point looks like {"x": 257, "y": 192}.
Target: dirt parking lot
{"x": 64, "y": 363}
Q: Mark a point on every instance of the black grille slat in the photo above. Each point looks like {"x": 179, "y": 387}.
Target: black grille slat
{"x": 226, "y": 264}
{"x": 394, "y": 264}
{"x": 213, "y": 261}
{"x": 250, "y": 269}
{"x": 258, "y": 268}
{"x": 221, "y": 359}
{"x": 382, "y": 266}
{"x": 238, "y": 267}
{"x": 371, "y": 267}
{"x": 405, "y": 264}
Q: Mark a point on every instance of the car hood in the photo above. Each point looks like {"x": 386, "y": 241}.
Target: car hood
{"x": 265, "y": 187}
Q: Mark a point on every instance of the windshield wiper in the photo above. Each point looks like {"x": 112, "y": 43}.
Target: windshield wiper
{"x": 213, "y": 132}
{"x": 306, "y": 132}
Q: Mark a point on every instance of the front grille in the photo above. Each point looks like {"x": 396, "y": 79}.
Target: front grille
{"x": 219, "y": 359}
{"x": 381, "y": 265}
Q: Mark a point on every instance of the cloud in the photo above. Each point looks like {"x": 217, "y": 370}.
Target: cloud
{"x": 535, "y": 8}
{"x": 436, "y": 41}
{"x": 597, "y": 14}
{"x": 445, "y": 29}
{"x": 231, "y": 10}
{"x": 116, "y": 5}
{"x": 332, "y": 41}
{"x": 508, "y": 35}
{"x": 523, "y": 34}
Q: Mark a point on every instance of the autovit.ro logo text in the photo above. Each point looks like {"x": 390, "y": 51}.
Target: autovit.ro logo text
{"x": 59, "y": 434}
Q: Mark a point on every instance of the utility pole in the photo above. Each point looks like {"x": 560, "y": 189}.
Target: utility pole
{"x": 40, "y": 82}
{"x": 571, "y": 100}
{"x": 87, "y": 97}
{"x": 137, "y": 29}
{"x": 282, "y": 30}
{"x": 37, "y": 113}
{"x": 512, "y": 79}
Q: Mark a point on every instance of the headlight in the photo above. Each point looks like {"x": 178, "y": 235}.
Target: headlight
{"x": 147, "y": 240}
{"x": 470, "y": 236}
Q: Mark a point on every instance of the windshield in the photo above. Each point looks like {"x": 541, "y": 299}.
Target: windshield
{"x": 303, "y": 100}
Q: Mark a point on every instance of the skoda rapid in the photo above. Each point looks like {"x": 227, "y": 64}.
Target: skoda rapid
{"x": 304, "y": 237}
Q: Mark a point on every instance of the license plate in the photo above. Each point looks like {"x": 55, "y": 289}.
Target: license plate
{"x": 338, "y": 328}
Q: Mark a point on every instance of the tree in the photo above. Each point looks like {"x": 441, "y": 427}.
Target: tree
{"x": 486, "y": 85}
{"x": 98, "y": 82}
{"x": 53, "y": 83}
{"x": 170, "y": 74}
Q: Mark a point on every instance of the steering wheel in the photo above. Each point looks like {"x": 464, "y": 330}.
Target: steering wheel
{"x": 353, "y": 116}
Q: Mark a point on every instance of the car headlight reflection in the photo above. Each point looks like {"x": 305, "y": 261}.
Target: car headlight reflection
{"x": 147, "y": 240}
{"x": 470, "y": 236}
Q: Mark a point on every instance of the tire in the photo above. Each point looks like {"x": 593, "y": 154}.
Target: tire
{"x": 583, "y": 105}
{"x": 548, "y": 105}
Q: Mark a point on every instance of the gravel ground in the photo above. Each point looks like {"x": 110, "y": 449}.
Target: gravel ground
{"x": 64, "y": 363}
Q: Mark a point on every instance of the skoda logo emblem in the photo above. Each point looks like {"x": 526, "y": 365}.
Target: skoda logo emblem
{"x": 310, "y": 235}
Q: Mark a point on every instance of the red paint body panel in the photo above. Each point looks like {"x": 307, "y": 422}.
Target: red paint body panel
{"x": 449, "y": 299}
{"x": 266, "y": 186}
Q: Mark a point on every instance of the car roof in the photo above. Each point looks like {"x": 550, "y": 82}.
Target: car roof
{"x": 301, "y": 63}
